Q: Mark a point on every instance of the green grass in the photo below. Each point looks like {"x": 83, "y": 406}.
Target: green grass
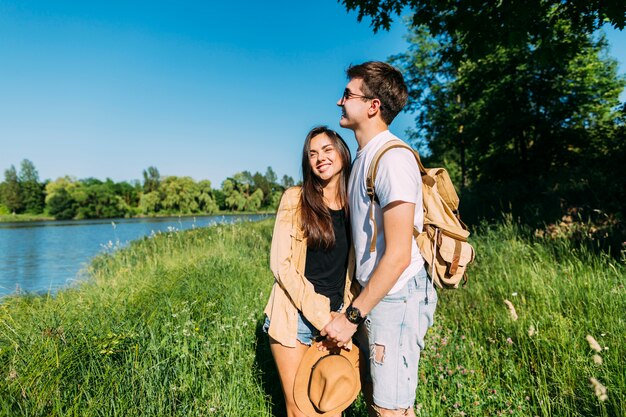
{"x": 6, "y": 217}
{"x": 170, "y": 326}
{"x": 479, "y": 361}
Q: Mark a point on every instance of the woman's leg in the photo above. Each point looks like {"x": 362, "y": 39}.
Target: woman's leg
{"x": 287, "y": 361}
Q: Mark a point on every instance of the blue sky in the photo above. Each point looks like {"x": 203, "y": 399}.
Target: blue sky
{"x": 106, "y": 89}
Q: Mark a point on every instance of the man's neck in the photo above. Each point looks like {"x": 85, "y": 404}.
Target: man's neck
{"x": 364, "y": 134}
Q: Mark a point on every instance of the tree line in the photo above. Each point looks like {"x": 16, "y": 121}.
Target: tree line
{"x": 22, "y": 192}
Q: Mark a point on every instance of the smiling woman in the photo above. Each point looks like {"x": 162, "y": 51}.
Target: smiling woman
{"x": 310, "y": 256}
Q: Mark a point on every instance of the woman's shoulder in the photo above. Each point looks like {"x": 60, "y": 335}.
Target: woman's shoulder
{"x": 292, "y": 194}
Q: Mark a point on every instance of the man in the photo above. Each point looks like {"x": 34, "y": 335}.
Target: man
{"x": 398, "y": 300}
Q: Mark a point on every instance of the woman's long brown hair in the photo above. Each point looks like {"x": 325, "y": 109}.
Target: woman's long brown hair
{"x": 315, "y": 216}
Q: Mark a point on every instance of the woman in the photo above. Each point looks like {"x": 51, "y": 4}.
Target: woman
{"x": 310, "y": 256}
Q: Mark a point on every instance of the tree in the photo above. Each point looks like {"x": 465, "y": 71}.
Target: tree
{"x": 62, "y": 205}
{"x": 150, "y": 203}
{"x": 32, "y": 190}
{"x": 477, "y": 22}
{"x": 60, "y": 201}
{"x": 270, "y": 176}
{"x": 206, "y": 201}
{"x": 254, "y": 202}
{"x": 12, "y": 192}
{"x": 287, "y": 182}
{"x": 127, "y": 192}
{"x": 180, "y": 195}
{"x": 97, "y": 200}
{"x": 516, "y": 124}
{"x": 260, "y": 182}
{"x": 233, "y": 198}
{"x": 151, "y": 179}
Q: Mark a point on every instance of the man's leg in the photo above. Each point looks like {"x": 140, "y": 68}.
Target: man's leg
{"x": 396, "y": 329}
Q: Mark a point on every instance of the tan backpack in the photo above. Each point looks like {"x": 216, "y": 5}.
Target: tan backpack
{"x": 443, "y": 243}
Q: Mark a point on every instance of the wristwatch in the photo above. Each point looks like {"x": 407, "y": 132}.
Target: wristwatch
{"x": 353, "y": 315}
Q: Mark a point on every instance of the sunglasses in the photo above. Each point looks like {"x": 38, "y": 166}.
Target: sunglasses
{"x": 347, "y": 95}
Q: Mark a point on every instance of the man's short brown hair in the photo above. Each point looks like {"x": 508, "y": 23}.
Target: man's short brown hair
{"x": 384, "y": 82}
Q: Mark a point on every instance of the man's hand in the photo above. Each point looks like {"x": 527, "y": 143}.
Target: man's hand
{"x": 339, "y": 330}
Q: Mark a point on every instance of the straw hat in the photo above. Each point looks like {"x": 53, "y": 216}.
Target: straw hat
{"x": 327, "y": 382}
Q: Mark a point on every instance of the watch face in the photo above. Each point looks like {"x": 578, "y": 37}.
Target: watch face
{"x": 353, "y": 314}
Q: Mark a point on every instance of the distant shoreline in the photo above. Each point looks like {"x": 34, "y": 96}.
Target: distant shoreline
{"x": 19, "y": 218}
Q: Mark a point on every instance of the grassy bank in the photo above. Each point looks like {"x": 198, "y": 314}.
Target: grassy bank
{"x": 170, "y": 326}
{"x": 6, "y": 218}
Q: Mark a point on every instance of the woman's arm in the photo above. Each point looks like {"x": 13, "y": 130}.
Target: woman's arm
{"x": 287, "y": 242}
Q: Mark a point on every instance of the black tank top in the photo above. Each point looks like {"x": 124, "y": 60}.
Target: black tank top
{"x": 326, "y": 269}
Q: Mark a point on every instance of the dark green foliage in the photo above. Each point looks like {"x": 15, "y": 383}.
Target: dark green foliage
{"x": 11, "y": 192}
{"x": 482, "y": 23}
{"x": 519, "y": 100}
{"x": 32, "y": 190}
{"x": 523, "y": 129}
{"x": 62, "y": 206}
{"x": 98, "y": 200}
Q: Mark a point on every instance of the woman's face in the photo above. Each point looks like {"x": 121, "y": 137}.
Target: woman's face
{"x": 324, "y": 158}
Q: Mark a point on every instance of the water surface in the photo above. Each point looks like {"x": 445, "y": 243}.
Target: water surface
{"x": 48, "y": 255}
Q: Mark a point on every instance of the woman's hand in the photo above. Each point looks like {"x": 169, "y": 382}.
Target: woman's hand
{"x": 327, "y": 344}
{"x": 339, "y": 330}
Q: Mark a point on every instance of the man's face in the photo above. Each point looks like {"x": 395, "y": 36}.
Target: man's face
{"x": 354, "y": 105}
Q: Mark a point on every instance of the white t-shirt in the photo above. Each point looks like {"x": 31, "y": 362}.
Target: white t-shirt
{"x": 397, "y": 179}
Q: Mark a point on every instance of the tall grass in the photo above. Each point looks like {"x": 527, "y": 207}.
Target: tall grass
{"x": 482, "y": 359}
{"x": 170, "y": 326}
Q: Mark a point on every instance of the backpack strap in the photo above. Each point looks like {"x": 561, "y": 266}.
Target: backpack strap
{"x": 370, "y": 180}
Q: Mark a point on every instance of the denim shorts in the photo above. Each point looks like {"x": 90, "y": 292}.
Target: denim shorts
{"x": 394, "y": 331}
{"x": 306, "y": 331}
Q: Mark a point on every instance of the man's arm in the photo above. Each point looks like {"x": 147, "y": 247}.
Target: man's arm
{"x": 398, "y": 220}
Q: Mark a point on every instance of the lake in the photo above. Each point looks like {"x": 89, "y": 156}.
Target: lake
{"x": 48, "y": 255}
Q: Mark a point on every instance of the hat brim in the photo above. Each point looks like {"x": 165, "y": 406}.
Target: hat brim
{"x": 303, "y": 378}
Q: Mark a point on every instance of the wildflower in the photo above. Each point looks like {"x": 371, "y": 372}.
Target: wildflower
{"x": 509, "y": 340}
{"x": 600, "y": 390}
{"x": 514, "y": 294}
{"x": 597, "y": 359}
{"x": 531, "y": 331}
{"x": 511, "y": 309}
{"x": 593, "y": 344}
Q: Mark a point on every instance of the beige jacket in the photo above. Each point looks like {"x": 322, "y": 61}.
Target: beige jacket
{"x": 292, "y": 291}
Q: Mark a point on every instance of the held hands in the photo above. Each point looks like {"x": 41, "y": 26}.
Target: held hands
{"x": 339, "y": 330}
